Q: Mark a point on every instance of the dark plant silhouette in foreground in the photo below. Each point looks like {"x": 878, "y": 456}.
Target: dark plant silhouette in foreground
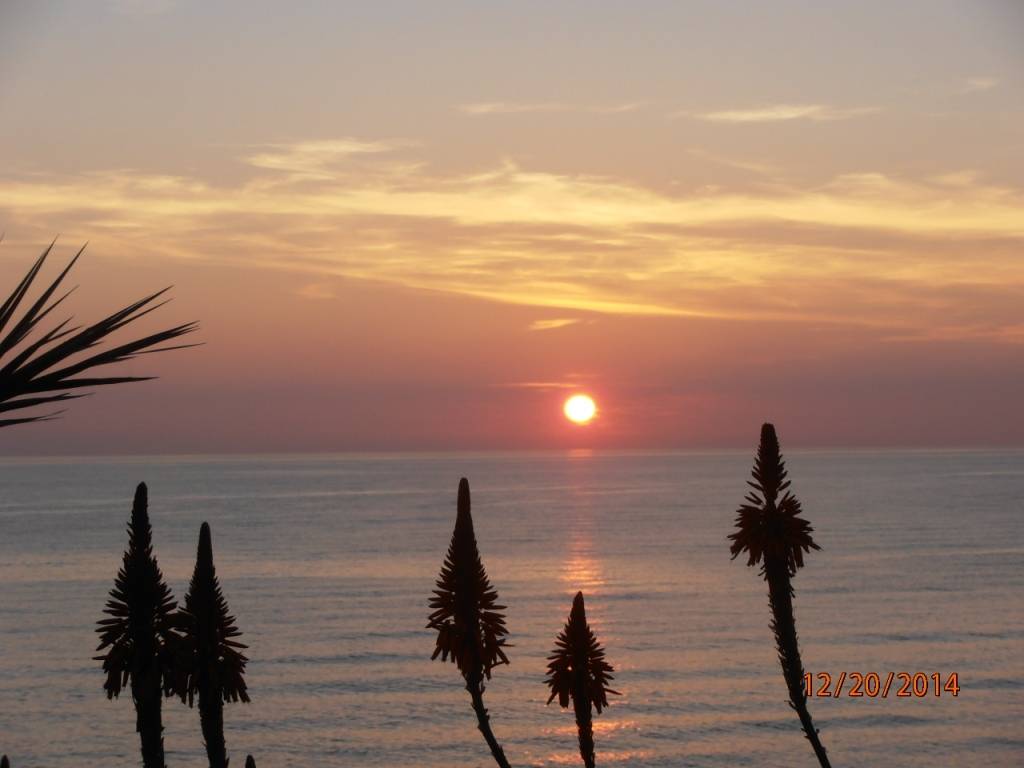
{"x": 469, "y": 622}
{"x": 249, "y": 762}
{"x": 213, "y": 659}
{"x": 577, "y": 670}
{"x": 770, "y": 530}
{"x": 140, "y": 634}
{"x": 47, "y": 369}
{"x": 4, "y": 762}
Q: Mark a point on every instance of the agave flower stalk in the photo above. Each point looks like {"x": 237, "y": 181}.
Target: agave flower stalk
{"x": 140, "y": 633}
{"x": 49, "y": 368}
{"x": 771, "y": 531}
{"x": 469, "y": 622}
{"x": 215, "y": 664}
{"x": 577, "y": 670}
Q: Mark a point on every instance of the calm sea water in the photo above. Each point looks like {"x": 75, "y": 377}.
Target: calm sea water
{"x": 328, "y": 563}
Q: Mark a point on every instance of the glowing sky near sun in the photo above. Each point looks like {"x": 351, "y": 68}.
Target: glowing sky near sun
{"x": 411, "y": 226}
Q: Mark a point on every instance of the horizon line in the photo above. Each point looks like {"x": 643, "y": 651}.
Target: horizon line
{"x": 580, "y": 452}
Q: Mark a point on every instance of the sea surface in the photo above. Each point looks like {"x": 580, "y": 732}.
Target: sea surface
{"x": 328, "y": 562}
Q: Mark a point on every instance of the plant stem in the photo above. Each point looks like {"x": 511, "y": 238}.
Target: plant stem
{"x": 780, "y": 598}
{"x": 585, "y": 729}
{"x": 483, "y": 721}
{"x": 148, "y": 718}
{"x": 211, "y": 718}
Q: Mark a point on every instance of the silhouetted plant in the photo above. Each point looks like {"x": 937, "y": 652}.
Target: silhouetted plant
{"x": 577, "y": 670}
{"x": 469, "y": 622}
{"x": 213, "y": 658}
{"x": 249, "y": 762}
{"x": 140, "y": 633}
{"x": 4, "y": 762}
{"x": 772, "y": 532}
{"x": 45, "y": 369}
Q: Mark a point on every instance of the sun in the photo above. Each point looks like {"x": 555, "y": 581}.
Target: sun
{"x": 579, "y": 409}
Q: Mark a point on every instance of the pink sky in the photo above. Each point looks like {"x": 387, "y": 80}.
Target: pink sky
{"x": 412, "y": 230}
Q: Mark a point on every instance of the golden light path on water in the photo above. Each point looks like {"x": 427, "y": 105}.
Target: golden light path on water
{"x": 583, "y": 572}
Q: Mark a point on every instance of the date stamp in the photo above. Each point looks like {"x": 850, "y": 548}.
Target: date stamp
{"x": 872, "y": 685}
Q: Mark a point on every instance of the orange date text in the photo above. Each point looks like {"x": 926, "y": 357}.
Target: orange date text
{"x": 872, "y": 685}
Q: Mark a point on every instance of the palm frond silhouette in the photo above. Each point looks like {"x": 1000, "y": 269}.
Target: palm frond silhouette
{"x": 213, "y": 655}
{"x": 771, "y": 531}
{"x": 50, "y": 367}
{"x": 578, "y": 671}
{"x": 140, "y": 633}
{"x": 469, "y": 622}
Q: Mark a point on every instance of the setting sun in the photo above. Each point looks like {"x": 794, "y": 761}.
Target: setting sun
{"x": 579, "y": 409}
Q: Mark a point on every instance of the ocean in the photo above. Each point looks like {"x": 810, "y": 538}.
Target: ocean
{"x": 328, "y": 561}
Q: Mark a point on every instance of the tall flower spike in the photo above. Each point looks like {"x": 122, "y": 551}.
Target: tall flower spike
{"x": 215, "y": 664}
{"x": 772, "y": 532}
{"x": 766, "y": 526}
{"x": 577, "y": 670}
{"x": 140, "y": 634}
{"x": 469, "y": 622}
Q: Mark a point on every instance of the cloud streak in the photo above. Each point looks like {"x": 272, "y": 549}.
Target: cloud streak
{"x": 861, "y": 249}
{"x": 315, "y": 159}
{"x": 978, "y": 84}
{"x": 552, "y": 324}
{"x": 483, "y": 108}
{"x": 776, "y": 113}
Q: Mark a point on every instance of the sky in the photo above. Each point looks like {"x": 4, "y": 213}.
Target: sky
{"x": 412, "y": 226}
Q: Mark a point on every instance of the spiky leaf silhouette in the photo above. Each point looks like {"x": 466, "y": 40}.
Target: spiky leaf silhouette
{"x": 772, "y": 532}
{"x": 469, "y": 621}
{"x": 140, "y": 632}
{"x": 213, "y": 659}
{"x": 578, "y": 671}
{"x": 49, "y": 368}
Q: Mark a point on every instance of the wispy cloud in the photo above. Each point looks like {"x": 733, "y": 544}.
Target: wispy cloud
{"x": 977, "y": 84}
{"x": 318, "y": 291}
{"x": 141, "y": 7}
{"x": 760, "y": 168}
{"x": 552, "y": 324}
{"x": 512, "y": 108}
{"x": 866, "y": 248}
{"x": 542, "y": 385}
{"x": 782, "y": 112}
{"x": 315, "y": 159}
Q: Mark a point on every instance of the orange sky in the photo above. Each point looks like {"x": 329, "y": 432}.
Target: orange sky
{"x": 422, "y": 227}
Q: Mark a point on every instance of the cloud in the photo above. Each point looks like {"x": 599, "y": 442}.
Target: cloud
{"x": 552, "y": 324}
{"x": 141, "y": 7}
{"x": 315, "y": 291}
{"x": 977, "y": 84}
{"x": 315, "y": 159}
{"x": 863, "y": 248}
{"x": 760, "y": 168}
{"x": 782, "y": 112}
{"x": 513, "y": 108}
{"x": 542, "y": 385}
